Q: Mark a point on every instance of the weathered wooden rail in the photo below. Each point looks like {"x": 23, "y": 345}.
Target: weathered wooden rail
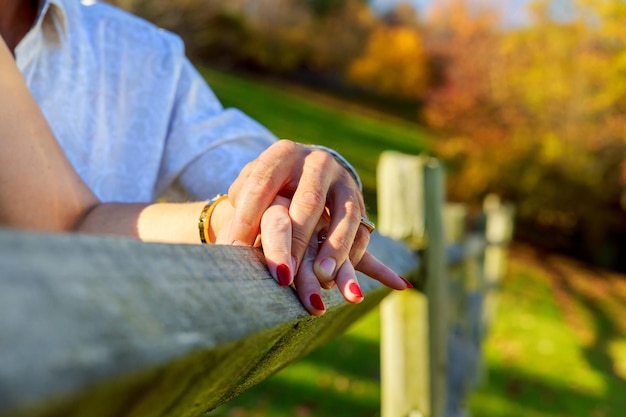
{"x": 101, "y": 326}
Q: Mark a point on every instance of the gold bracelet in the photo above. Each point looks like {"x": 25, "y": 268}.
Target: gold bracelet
{"x": 205, "y": 217}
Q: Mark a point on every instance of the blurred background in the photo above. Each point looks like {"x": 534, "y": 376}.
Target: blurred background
{"x": 522, "y": 98}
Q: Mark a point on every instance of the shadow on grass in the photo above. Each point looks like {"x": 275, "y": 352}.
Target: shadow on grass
{"x": 553, "y": 354}
{"x": 341, "y": 379}
{"x": 597, "y": 352}
{"x": 513, "y": 393}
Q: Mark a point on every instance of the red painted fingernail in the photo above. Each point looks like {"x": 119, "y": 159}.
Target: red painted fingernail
{"x": 355, "y": 289}
{"x": 408, "y": 284}
{"x": 283, "y": 274}
{"x": 316, "y": 302}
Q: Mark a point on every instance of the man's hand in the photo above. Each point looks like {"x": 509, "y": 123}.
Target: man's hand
{"x": 314, "y": 180}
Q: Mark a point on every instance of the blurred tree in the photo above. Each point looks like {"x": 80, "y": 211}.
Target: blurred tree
{"x": 462, "y": 106}
{"x": 573, "y": 96}
{"x": 324, "y": 8}
{"x": 394, "y": 63}
{"x": 338, "y": 37}
{"x": 402, "y": 14}
{"x": 538, "y": 114}
{"x": 280, "y": 33}
{"x": 270, "y": 35}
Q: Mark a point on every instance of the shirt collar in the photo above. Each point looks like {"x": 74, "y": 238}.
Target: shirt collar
{"x": 50, "y": 28}
{"x": 52, "y": 18}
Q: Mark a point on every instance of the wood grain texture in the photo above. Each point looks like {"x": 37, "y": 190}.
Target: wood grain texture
{"x": 102, "y": 326}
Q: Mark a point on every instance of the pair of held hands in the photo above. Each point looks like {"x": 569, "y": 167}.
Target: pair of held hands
{"x": 305, "y": 208}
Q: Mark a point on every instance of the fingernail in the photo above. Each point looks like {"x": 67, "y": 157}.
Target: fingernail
{"x": 328, "y": 266}
{"x": 238, "y": 243}
{"x": 317, "y": 302}
{"x": 355, "y": 289}
{"x": 408, "y": 284}
{"x": 283, "y": 274}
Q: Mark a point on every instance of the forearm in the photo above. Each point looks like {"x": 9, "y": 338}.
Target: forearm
{"x": 161, "y": 222}
{"x": 173, "y": 223}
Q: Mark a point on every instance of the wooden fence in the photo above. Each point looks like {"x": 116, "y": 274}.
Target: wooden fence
{"x": 110, "y": 327}
{"x": 431, "y": 340}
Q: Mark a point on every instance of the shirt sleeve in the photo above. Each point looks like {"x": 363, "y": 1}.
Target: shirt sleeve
{"x": 207, "y": 145}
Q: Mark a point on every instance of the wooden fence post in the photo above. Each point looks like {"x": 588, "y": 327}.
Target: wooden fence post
{"x": 414, "y": 327}
{"x": 431, "y": 341}
{"x": 404, "y": 325}
{"x": 499, "y": 224}
{"x": 437, "y": 285}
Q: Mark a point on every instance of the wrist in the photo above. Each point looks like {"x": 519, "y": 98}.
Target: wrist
{"x": 207, "y": 220}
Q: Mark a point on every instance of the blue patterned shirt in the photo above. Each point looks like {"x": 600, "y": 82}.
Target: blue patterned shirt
{"x": 130, "y": 111}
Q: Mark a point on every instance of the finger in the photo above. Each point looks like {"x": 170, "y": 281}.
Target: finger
{"x": 307, "y": 286}
{"x": 348, "y": 284}
{"x": 221, "y": 221}
{"x": 276, "y": 237}
{"x": 235, "y": 187}
{"x": 346, "y": 208}
{"x": 374, "y": 268}
{"x": 309, "y": 200}
{"x": 222, "y": 236}
{"x": 276, "y": 168}
{"x": 328, "y": 285}
{"x": 359, "y": 246}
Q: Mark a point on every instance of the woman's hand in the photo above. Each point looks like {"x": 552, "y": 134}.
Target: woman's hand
{"x": 314, "y": 180}
{"x": 276, "y": 239}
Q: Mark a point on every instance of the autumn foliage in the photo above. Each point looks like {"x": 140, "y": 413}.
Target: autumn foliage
{"x": 392, "y": 47}
{"x": 536, "y": 113}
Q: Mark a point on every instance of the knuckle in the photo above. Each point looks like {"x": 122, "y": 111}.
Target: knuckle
{"x": 299, "y": 239}
{"x": 247, "y": 168}
{"x": 350, "y": 198}
{"x": 349, "y": 187}
{"x": 322, "y": 159}
{"x": 248, "y": 223}
{"x": 312, "y": 200}
{"x": 276, "y": 219}
{"x": 353, "y": 211}
{"x": 260, "y": 181}
{"x": 341, "y": 245}
{"x": 345, "y": 245}
{"x": 284, "y": 147}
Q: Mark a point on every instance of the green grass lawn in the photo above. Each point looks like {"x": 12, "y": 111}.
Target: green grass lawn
{"x": 341, "y": 379}
{"x": 358, "y": 137}
{"x": 556, "y": 348}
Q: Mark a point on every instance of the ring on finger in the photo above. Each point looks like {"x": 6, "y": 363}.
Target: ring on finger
{"x": 369, "y": 225}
